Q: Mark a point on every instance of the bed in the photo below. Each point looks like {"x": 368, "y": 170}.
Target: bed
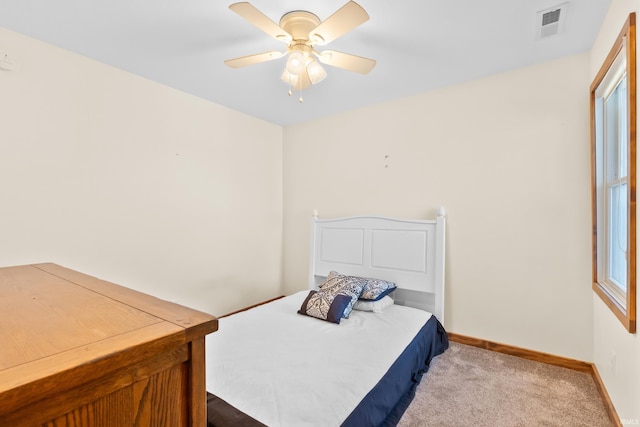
{"x": 324, "y": 356}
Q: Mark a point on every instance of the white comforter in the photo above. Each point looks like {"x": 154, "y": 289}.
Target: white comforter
{"x": 286, "y": 369}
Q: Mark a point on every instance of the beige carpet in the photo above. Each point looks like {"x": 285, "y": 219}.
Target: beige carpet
{"x": 467, "y": 386}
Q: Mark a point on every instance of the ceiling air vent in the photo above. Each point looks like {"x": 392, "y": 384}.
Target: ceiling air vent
{"x": 551, "y": 21}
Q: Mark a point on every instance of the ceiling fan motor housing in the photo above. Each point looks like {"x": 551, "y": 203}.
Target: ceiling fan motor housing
{"x": 299, "y": 24}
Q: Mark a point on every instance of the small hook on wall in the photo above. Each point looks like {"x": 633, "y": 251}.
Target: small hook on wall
{"x": 6, "y": 63}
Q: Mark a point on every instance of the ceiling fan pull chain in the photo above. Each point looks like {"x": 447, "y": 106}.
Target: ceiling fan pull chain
{"x": 300, "y": 100}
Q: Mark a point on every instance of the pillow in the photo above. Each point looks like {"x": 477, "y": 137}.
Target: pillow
{"x": 325, "y": 306}
{"x": 376, "y": 306}
{"x": 376, "y": 289}
{"x": 341, "y": 284}
{"x": 373, "y": 289}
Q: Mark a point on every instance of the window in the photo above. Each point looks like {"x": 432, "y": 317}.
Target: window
{"x": 613, "y": 170}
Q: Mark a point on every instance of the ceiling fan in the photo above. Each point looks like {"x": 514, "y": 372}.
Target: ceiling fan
{"x": 302, "y": 31}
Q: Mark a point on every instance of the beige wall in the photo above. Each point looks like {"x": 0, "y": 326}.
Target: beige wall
{"x": 149, "y": 187}
{"x": 616, "y": 352}
{"x": 508, "y": 157}
{"x": 136, "y": 183}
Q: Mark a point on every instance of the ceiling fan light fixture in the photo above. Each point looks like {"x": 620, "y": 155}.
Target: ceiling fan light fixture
{"x": 288, "y": 78}
{"x": 316, "y": 72}
{"x": 301, "y": 30}
{"x": 296, "y": 62}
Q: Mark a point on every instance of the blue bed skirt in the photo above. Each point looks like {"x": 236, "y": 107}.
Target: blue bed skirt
{"x": 387, "y": 401}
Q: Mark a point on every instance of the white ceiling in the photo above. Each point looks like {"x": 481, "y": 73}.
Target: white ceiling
{"x": 419, "y": 45}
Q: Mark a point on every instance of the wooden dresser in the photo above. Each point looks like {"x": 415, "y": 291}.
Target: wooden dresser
{"x": 79, "y": 351}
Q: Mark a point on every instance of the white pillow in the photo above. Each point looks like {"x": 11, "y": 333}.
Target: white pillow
{"x": 375, "y": 306}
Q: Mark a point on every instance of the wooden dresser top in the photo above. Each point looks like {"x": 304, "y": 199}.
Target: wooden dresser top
{"x": 53, "y": 318}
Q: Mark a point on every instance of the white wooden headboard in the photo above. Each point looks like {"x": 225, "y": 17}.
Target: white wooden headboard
{"x": 407, "y": 252}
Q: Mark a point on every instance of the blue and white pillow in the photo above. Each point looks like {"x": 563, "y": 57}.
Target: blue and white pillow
{"x": 325, "y": 305}
{"x": 341, "y": 284}
{"x": 372, "y": 289}
{"x": 376, "y": 289}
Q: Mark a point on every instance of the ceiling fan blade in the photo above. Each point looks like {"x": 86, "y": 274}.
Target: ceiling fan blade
{"x": 260, "y": 20}
{"x": 243, "y": 61}
{"x": 341, "y": 22}
{"x": 357, "y": 64}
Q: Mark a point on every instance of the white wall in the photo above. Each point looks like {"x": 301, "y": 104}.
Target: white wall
{"x": 508, "y": 157}
{"x": 616, "y": 352}
{"x": 136, "y": 183}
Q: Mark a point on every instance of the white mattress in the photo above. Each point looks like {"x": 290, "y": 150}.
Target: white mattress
{"x": 286, "y": 369}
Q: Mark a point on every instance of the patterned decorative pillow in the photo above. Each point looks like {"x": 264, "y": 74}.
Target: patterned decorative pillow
{"x": 372, "y": 289}
{"x": 341, "y": 284}
{"x": 325, "y": 306}
{"x": 376, "y": 306}
{"x": 376, "y": 289}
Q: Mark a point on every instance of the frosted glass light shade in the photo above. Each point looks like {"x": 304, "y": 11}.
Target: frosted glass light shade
{"x": 316, "y": 72}
{"x": 295, "y": 62}
{"x": 290, "y": 79}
